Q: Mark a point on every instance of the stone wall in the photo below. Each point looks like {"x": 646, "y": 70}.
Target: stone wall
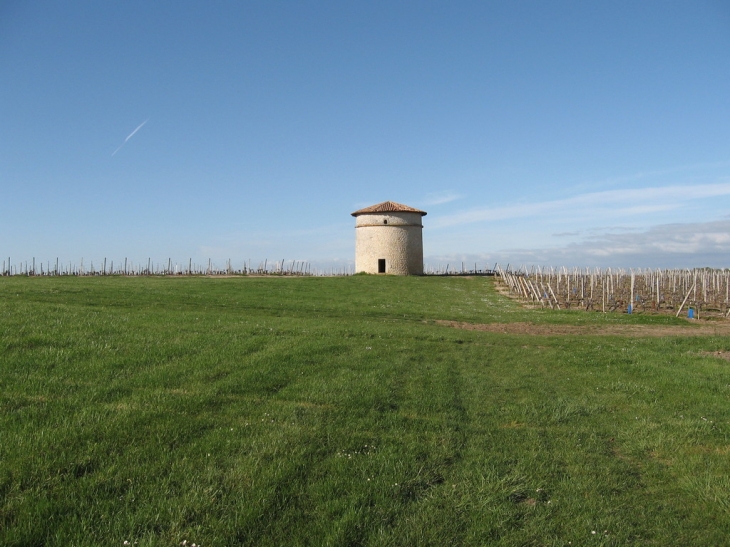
{"x": 396, "y": 237}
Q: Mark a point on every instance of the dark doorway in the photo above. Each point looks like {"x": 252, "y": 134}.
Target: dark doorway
{"x": 381, "y": 265}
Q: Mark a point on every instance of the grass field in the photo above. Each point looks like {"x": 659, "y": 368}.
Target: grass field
{"x": 336, "y": 411}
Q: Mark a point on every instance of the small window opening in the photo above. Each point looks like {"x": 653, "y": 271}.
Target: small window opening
{"x": 381, "y": 265}
{"x": 385, "y": 221}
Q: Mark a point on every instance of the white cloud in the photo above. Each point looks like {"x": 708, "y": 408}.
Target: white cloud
{"x": 610, "y": 203}
{"x": 663, "y": 246}
{"x": 439, "y": 198}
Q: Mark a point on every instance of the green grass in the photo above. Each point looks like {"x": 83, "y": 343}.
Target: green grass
{"x": 334, "y": 411}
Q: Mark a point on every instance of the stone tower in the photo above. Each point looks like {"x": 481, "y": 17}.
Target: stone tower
{"x": 388, "y": 239}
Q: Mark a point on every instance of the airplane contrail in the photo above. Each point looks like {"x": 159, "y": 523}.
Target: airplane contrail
{"x": 130, "y": 136}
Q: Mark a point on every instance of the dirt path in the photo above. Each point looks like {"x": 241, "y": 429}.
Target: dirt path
{"x": 638, "y": 331}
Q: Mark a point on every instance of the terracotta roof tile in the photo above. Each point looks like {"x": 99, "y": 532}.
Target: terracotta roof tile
{"x": 388, "y": 207}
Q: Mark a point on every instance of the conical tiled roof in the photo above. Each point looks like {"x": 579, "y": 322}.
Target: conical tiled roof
{"x": 388, "y": 207}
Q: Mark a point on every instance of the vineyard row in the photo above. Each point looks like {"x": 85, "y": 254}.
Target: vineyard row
{"x": 695, "y": 291}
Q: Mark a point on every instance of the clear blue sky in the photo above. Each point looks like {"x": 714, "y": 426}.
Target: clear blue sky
{"x": 556, "y": 133}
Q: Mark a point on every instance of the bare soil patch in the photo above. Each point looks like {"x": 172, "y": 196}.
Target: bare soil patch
{"x": 638, "y": 331}
{"x": 721, "y": 354}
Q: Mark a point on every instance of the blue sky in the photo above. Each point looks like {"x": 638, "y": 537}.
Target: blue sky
{"x": 555, "y": 133}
